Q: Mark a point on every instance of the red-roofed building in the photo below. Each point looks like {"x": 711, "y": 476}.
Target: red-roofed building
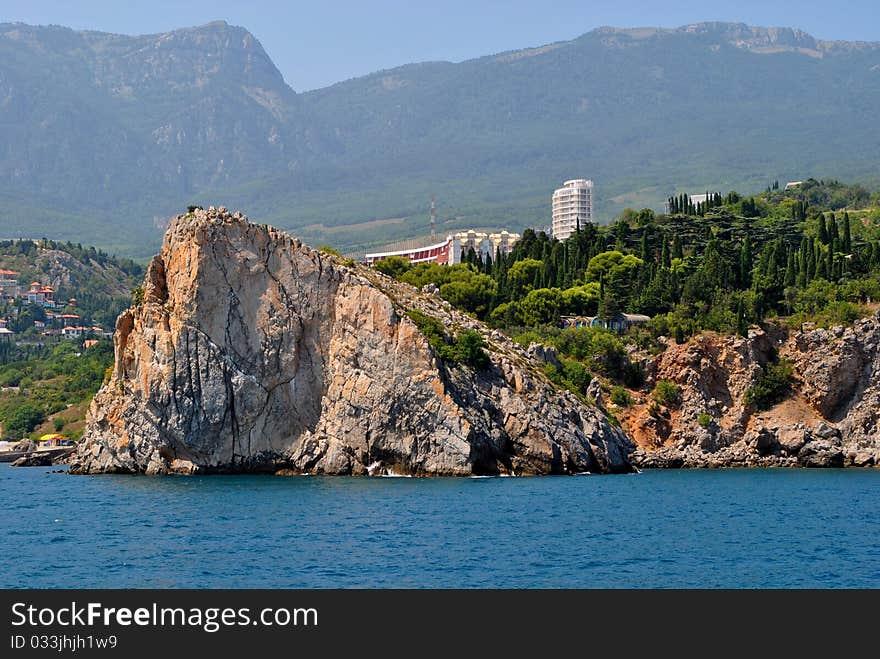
{"x": 71, "y": 331}
{"x": 9, "y": 283}
{"x": 39, "y": 294}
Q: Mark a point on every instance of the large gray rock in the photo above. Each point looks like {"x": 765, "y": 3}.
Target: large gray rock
{"x": 35, "y": 459}
{"x": 251, "y": 352}
{"x": 821, "y": 453}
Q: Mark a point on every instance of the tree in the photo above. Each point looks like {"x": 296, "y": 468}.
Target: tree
{"x": 22, "y": 420}
{"x": 541, "y": 306}
{"x": 745, "y": 263}
{"x": 604, "y": 264}
{"x": 522, "y": 275}
{"x": 822, "y": 232}
{"x": 608, "y": 308}
{"x": 581, "y": 299}
{"x": 393, "y": 266}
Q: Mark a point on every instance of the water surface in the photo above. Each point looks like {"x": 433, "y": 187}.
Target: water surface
{"x": 732, "y": 528}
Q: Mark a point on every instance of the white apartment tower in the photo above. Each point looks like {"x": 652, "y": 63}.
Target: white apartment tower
{"x": 572, "y": 202}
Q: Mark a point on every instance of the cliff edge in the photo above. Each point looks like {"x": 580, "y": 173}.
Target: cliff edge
{"x": 250, "y": 352}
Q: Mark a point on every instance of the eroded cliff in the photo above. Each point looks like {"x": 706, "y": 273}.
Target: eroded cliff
{"x": 831, "y": 417}
{"x": 250, "y": 352}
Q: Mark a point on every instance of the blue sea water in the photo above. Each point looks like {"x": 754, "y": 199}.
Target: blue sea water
{"x": 732, "y": 528}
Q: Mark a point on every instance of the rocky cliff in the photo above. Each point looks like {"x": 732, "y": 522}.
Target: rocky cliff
{"x": 830, "y": 419}
{"x": 250, "y": 352}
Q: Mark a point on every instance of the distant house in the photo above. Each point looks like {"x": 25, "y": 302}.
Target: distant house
{"x": 793, "y": 184}
{"x": 9, "y": 283}
{"x": 6, "y": 334}
{"x": 88, "y": 343}
{"x": 618, "y": 323}
{"x": 40, "y": 295}
{"x": 71, "y": 331}
{"x": 65, "y": 318}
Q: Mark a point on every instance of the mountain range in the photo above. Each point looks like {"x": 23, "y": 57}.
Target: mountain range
{"x": 105, "y": 135}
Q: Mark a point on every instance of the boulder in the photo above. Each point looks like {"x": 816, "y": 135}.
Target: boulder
{"x": 820, "y": 453}
{"x": 35, "y": 459}
{"x": 792, "y": 438}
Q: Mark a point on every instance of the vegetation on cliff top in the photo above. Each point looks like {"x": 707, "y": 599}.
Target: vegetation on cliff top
{"x": 807, "y": 254}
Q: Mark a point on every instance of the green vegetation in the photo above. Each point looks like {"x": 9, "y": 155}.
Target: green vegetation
{"x": 491, "y": 136}
{"x": 467, "y": 347}
{"x": 47, "y": 380}
{"x": 666, "y": 393}
{"x": 571, "y": 375}
{"x": 99, "y": 283}
{"x": 772, "y": 387}
{"x": 704, "y": 419}
{"x": 39, "y": 382}
{"x": 620, "y": 396}
{"x": 792, "y": 256}
{"x": 733, "y": 262}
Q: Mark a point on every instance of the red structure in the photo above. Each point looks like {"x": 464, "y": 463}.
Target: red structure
{"x": 441, "y": 253}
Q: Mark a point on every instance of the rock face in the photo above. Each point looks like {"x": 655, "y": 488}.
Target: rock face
{"x": 253, "y": 353}
{"x": 832, "y": 418}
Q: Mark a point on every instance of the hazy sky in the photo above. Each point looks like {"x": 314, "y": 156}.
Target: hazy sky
{"x": 315, "y": 44}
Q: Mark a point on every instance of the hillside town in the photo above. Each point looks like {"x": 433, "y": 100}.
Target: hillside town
{"x": 32, "y": 312}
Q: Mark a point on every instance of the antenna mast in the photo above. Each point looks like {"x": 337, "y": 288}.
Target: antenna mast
{"x": 433, "y": 217}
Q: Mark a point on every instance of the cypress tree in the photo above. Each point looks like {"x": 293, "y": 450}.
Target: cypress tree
{"x": 745, "y": 263}
{"x": 847, "y": 236}
{"x": 677, "y": 252}
{"x": 790, "y": 273}
{"x": 833, "y": 234}
{"x": 823, "y": 231}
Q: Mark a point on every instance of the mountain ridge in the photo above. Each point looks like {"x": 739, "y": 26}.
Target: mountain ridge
{"x": 110, "y": 131}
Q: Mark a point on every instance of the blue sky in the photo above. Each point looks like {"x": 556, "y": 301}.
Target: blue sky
{"x": 318, "y": 43}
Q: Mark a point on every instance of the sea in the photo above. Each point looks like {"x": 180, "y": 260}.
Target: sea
{"x": 774, "y": 528}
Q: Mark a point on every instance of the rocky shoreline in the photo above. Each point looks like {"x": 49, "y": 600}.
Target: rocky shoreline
{"x": 251, "y": 352}
{"x": 831, "y": 418}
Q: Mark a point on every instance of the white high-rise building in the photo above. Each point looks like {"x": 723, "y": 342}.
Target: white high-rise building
{"x": 572, "y": 202}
